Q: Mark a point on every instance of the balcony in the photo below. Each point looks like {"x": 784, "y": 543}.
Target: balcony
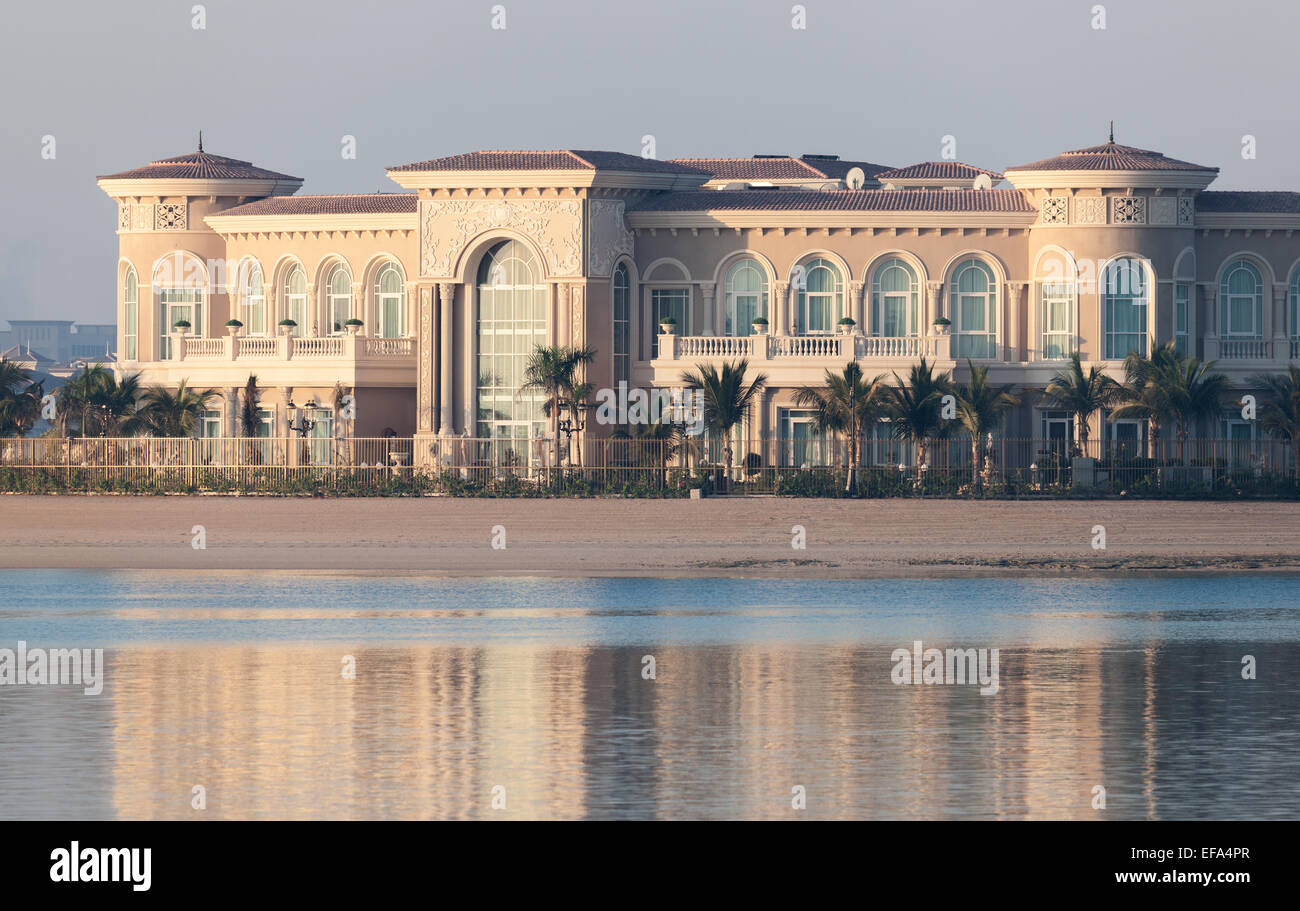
{"x": 801, "y": 348}
{"x": 352, "y": 348}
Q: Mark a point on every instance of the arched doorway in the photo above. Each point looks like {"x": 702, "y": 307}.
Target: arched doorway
{"x": 510, "y": 322}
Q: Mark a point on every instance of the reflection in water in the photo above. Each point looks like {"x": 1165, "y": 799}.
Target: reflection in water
{"x": 567, "y": 724}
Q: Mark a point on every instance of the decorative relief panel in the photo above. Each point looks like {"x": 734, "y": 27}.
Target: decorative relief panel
{"x": 124, "y": 216}
{"x": 142, "y": 216}
{"x": 1186, "y": 210}
{"x": 579, "y": 324}
{"x": 1055, "y": 210}
{"x": 1163, "y": 210}
{"x": 1129, "y": 210}
{"x": 609, "y": 236}
{"x": 446, "y": 226}
{"x": 1089, "y": 210}
{"x": 169, "y": 216}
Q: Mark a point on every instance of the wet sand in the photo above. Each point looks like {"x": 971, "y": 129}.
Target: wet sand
{"x": 714, "y": 537}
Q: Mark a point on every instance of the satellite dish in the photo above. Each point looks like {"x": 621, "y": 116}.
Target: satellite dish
{"x": 983, "y": 182}
{"x": 855, "y": 178}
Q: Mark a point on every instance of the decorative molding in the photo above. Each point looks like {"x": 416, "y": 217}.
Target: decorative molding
{"x": 1186, "y": 210}
{"x": 1163, "y": 210}
{"x": 170, "y": 216}
{"x": 142, "y": 216}
{"x": 608, "y": 235}
{"x": 1128, "y": 210}
{"x": 1056, "y": 210}
{"x": 579, "y": 321}
{"x": 1089, "y": 210}
{"x": 447, "y": 226}
{"x": 426, "y": 360}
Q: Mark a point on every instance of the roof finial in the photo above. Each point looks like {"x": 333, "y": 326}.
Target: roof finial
{"x": 200, "y": 140}
{"x": 1112, "y": 135}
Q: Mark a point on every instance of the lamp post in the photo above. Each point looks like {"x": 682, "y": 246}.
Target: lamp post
{"x": 302, "y": 425}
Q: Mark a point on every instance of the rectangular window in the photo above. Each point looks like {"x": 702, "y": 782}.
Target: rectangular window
{"x": 801, "y": 445}
{"x": 1182, "y": 301}
{"x": 1058, "y": 320}
{"x": 132, "y": 330}
{"x": 622, "y": 324}
{"x": 175, "y": 305}
{"x": 1242, "y": 315}
{"x": 321, "y": 435}
{"x": 673, "y": 302}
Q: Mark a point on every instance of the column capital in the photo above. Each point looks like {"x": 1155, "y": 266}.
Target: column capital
{"x": 446, "y": 292}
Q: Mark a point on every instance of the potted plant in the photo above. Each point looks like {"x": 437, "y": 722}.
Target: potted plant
{"x": 941, "y": 324}
{"x": 233, "y": 326}
{"x": 353, "y": 326}
{"x": 182, "y": 326}
{"x": 287, "y": 326}
{"x": 668, "y": 325}
{"x": 846, "y": 325}
{"x": 760, "y": 325}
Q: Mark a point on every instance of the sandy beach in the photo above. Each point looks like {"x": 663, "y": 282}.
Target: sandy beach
{"x": 718, "y": 537}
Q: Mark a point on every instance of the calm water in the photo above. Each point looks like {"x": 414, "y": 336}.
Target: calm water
{"x": 232, "y": 681}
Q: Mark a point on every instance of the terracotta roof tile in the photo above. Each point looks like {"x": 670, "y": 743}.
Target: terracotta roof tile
{"x": 199, "y": 165}
{"x": 556, "y": 160}
{"x": 777, "y": 167}
{"x": 841, "y": 201}
{"x": 938, "y": 170}
{"x": 356, "y": 204}
{"x": 1267, "y": 202}
{"x": 1111, "y": 157}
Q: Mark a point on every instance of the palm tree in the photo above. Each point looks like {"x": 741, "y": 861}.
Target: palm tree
{"x": 1146, "y": 391}
{"x": 915, "y": 409}
{"x": 16, "y": 398}
{"x": 97, "y": 401}
{"x": 163, "y": 413}
{"x": 727, "y": 398}
{"x": 980, "y": 408}
{"x": 250, "y": 418}
{"x": 1279, "y": 414}
{"x": 847, "y": 404}
{"x": 1193, "y": 393}
{"x": 554, "y": 371}
{"x": 1082, "y": 395}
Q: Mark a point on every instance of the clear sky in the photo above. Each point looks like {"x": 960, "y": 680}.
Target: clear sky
{"x": 280, "y": 83}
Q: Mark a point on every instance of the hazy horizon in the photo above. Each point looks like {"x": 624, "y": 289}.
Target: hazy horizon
{"x": 118, "y": 86}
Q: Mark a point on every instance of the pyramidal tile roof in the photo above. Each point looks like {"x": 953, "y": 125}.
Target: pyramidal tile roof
{"x": 343, "y": 204}
{"x": 937, "y": 170}
{"x": 1269, "y": 202}
{"x": 840, "y": 201}
{"x": 199, "y": 165}
{"x": 1111, "y": 157}
{"x": 554, "y": 160}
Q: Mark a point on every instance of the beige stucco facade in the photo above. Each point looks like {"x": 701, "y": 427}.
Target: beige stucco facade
{"x": 1087, "y": 252}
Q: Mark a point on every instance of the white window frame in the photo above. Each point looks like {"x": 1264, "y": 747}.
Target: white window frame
{"x": 988, "y": 304}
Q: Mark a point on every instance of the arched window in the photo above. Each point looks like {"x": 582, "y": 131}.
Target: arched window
{"x": 973, "y": 301}
{"x": 389, "y": 309}
{"x": 895, "y": 300}
{"x": 622, "y": 323}
{"x": 746, "y": 290}
{"x": 295, "y": 299}
{"x": 511, "y": 317}
{"x": 338, "y": 298}
{"x": 821, "y": 297}
{"x": 1124, "y": 292}
{"x": 131, "y": 314}
{"x": 254, "y": 303}
{"x": 1241, "y": 302}
{"x": 180, "y": 280}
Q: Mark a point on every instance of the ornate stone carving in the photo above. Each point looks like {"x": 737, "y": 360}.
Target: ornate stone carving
{"x": 124, "y": 216}
{"x": 1186, "y": 210}
{"x": 1056, "y": 210}
{"x": 447, "y": 225}
{"x": 169, "y": 216}
{"x": 142, "y": 216}
{"x": 1089, "y": 210}
{"x": 1129, "y": 210}
{"x": 1163, "y": 210}
{"x": 609, "y": 236}
{"x": 578, "y": 321}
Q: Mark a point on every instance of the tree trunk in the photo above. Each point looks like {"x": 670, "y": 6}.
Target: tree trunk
{"x": 851, "y": 482}
{"x": 976, "y": 468}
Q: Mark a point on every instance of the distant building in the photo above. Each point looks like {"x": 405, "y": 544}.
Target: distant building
{"x": 61, "y": 341}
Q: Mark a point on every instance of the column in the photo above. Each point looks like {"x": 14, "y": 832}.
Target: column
{"x": 855, "y": 306}
{"x": 361, "y": 309}
{"x": 232, "y": 412}
{"x": 1211, "y": 292}
{"x": 424, "y": 340}
{"x": 282, "y": 412}
{"x": 312, "y": 316}
{"x": 707, "y": 293}
{"x": 781, "y": 297}
{"x": 1015, "y": 291}
{"x": 446, "y": 301}
{"x": 1281, "y": 348}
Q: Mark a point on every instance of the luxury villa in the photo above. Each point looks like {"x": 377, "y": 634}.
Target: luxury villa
{"x": 425, "y": 304}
